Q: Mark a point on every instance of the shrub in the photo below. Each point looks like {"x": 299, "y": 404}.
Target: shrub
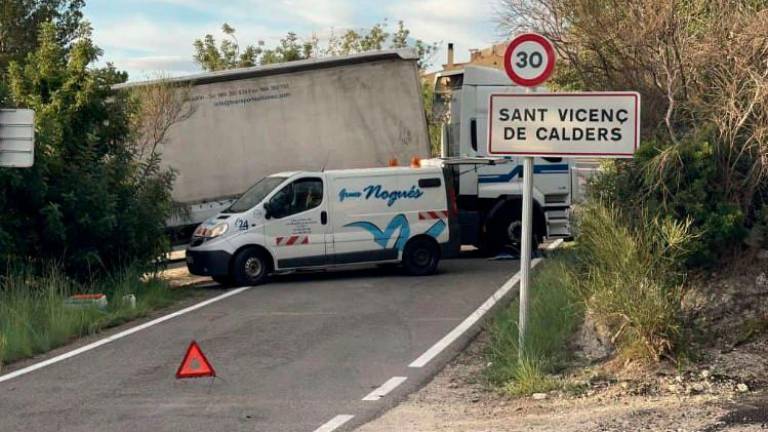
{"x": 700, "y": 68}
{"x": 33, "y": 318}
{"x": 553, "y": 317}
{"x": 679, "y": 182}
{"x": 90, "y": 201}
{"x": 630, "y": 276}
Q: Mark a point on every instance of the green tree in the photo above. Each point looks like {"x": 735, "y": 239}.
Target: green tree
{"x": 227, "y": 55}
{"x": 290, "y": 49}
{"x": 20, "y": 22}
{"x": 89, "y": 201}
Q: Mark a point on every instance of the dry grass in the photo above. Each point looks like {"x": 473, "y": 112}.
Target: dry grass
{"x": 33, "y": 318}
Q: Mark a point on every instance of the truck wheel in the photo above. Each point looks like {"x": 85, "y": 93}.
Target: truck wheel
{"x": 504, "y": 233}
{"x": 420, "y": 257}
{"x": 251, "y": 267}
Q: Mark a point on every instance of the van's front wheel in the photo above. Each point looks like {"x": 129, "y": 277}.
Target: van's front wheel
{"x": 251, "y": 267}
{"x": 421, "y": 256}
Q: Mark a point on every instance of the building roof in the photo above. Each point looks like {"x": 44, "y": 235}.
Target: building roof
{"x": 280, "y": 68}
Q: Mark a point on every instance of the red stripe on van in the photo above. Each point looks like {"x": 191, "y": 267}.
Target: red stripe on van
{"x": 433, "y": 214}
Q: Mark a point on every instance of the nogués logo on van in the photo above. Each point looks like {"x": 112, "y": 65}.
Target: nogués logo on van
{"x": 378, "y": 192}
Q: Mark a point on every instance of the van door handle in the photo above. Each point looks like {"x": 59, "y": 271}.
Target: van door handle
{"x": 323, "y": 217}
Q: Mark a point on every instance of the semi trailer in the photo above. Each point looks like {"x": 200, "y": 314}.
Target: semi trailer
{"x": 355, "y": 111}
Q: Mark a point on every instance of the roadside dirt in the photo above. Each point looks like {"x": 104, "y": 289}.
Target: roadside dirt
{"x": 178, "y": 276}
{"x": 723, "y": 388}
{"x": 457, "y": 400}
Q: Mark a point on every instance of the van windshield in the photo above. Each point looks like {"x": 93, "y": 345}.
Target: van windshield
{"x": 255, "y": 194}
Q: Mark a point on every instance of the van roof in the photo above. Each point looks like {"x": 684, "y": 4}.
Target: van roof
{"x": 363, "y": 171}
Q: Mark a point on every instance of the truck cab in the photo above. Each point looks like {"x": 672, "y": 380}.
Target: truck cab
{"x": 490, "y": 194}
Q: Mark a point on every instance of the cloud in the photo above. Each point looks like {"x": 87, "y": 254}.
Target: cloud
{"x": 467, "y": 24}
{"x": 141, "y": 37}
{"x": 321, "y": 13}
{"x": 144, "y": 46}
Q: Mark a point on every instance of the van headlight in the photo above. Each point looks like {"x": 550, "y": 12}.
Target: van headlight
{"x": 218, "y": 230}
{"x": 210, "y": 233}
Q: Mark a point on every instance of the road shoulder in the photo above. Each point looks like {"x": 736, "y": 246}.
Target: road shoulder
{"x": 456, "y": 399}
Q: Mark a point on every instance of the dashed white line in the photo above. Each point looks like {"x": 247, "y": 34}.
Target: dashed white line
{"x": 460, "y": 329}
{"x": 385, "y": 388}
{"x": 334, "y": 423}
{"x": 117, "y": 336}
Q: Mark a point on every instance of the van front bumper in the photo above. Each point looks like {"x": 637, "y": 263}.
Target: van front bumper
{"x": 208, "y": 263}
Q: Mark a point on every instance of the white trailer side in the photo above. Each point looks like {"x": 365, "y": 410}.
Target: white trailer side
{"x": 355, "y": 111}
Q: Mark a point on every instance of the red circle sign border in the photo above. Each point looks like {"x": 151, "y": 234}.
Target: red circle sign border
{"x": 530, "y": 37}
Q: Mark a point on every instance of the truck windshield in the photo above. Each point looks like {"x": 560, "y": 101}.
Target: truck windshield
{"x": 255, "y": 194}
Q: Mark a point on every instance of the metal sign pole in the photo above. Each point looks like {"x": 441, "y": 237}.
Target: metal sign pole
{"x": 525, "y": 250}
{"x": 529, "y": 61}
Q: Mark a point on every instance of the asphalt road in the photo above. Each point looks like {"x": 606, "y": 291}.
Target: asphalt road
{"x": 290, "y": 356}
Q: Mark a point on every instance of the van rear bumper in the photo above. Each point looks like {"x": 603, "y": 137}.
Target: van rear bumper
{"x": 208, "y": 263}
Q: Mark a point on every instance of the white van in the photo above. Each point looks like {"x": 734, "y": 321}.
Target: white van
{"x": 316, "y": 220}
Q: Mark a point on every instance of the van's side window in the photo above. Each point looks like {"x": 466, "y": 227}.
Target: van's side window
{"x": 299, "y": 196}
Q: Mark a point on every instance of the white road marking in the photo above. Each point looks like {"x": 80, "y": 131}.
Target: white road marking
{"x": 469, "y": 321}
{"x": 334, "y": 423}
{"x": 117, "y": 336}
{"x": 554, "y": 245}
{"x": 385, "y": 388}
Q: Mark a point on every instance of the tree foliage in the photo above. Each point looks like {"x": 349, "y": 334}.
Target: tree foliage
{"x": 228, "y": 54}
{"x": 90, "y": 201}
{"x": 700, "y": 67}
{"x": 20, "y": 21}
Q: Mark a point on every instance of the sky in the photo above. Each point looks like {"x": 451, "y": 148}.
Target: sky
{"x": 152, "y": 37}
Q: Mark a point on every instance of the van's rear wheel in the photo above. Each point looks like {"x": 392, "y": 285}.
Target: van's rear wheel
{"x": 421, "y": 256}
{"x": 251, "y": 267}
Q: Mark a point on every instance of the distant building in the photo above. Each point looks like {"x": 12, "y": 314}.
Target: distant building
{"x": 492, "y": 56}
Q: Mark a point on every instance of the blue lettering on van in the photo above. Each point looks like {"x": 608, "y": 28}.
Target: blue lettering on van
{"x": 344, "y": 194}
{"x": 376, "y": 191}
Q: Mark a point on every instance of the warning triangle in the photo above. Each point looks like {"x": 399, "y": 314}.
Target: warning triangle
{"x": 195, "y": 365}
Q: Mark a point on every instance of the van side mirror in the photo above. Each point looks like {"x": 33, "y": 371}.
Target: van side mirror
{"x": 267, "y": 210}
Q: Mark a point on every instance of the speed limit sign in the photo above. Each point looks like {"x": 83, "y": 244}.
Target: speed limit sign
{"x": 529, "y": 59}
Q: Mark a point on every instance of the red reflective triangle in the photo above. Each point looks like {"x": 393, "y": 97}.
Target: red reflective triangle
{"x": 194, "y": 364}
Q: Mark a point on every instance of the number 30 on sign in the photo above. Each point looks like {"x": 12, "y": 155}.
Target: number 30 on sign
{"x": 529, "y": 59}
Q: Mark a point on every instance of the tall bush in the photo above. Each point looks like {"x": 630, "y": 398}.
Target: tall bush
{"x": 700, "y": 67}
{"x": 680, "y": 182}
{"x": 90, "y": 201}
{"x": 630, "y": 277}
